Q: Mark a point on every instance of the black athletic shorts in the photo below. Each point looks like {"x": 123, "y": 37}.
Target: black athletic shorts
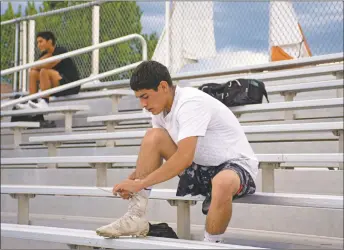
{"x": 196, "y": 180}
{"x": 71, "y": 91}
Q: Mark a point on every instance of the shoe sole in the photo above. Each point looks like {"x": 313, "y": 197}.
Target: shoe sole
{"x": 140, "y": 235}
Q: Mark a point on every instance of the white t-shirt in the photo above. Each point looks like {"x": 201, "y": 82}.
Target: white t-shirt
{"x": 220, "y": 135}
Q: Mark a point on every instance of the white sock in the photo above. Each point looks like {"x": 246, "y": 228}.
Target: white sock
{"x": 215, "y": 238}
{"x": 146, "y": 191}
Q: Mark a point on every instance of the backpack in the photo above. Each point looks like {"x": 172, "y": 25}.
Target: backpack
{"x": 161, "y": 230}
{"x": 237, "y": 92}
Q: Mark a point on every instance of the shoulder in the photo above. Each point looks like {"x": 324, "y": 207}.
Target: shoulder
{"x": 191, "y": 96}
{"x": 60, "y": 50}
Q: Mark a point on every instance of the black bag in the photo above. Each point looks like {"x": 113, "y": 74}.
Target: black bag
{"x": 161, "y": 230}
{"x": 237, "y": 92}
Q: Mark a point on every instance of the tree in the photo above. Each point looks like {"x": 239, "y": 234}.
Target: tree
{"x": 6, "y": 40}
{"x": 73, "y": 31}
{"x": 30, "y": 9}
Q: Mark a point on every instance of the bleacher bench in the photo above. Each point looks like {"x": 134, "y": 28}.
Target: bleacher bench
{"x": 54, "y": 141}
{"x": 88, "y": 240}
{"x": 17, "y": 128}
{"x": 115, "y": 96}
{"x": 111, "y": 120}
{"x": 268, "y": 162}
{"x": 24, "y": 192}
{"x": 332, "y": 69}
{"x": 234, "y": 72}
{"x": 68, "y": 112}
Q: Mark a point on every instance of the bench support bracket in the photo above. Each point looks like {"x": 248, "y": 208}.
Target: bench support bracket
{"x": 23, "y": 207}
{"x": 183, "y": 217}
{"x": 268, "y": 176}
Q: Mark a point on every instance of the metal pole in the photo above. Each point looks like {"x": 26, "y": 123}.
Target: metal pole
{"x": 20, "y": 87}
{"x": 16, "y": 44}
{"x": 24, "y": 78}
{"x": 95, "y": 39}
{"x": 31, "y": 47}
{"x": 167, "y": 29}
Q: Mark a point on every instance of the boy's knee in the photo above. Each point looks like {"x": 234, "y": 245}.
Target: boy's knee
{"x": 155, "y": 135}
{"x": 44, "y": 72}
{"x": 225, "y": 185}
{"x": 34, "y": 73}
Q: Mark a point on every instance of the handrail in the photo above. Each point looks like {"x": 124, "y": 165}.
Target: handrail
{"x": 71, "y": 85}
{"x": 82, "y": 81}
{"x": 80, "y": 51}
{"x": 53, "y": 12}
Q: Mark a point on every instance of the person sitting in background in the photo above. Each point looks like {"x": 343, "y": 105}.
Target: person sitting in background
{"x": 50, "y": 75}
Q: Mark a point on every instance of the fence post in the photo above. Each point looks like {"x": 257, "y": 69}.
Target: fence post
{"x": 31, "y": 39}
{"x": 168, "y": 33}
{"x": 23, "y": 56}
{"x": 16, "y": 57}
{"x": 95, "y": 39}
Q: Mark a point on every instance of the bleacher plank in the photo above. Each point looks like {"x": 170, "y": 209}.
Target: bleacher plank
{"x": 248, "y": 129}
{"x": 235, "y": 72}
{"x": 24, "y": 192}
{"x": 268, "y": 162}
{"x": 305, "y": 87}
{"x": 115, "y": 96}
{"x": 87, "y": 239}
{"x": 333, "y": 69}
{"x": 68, "y": 111}
{"x": 17, "y": 128}
{"x": 263, "y": 198}
{"x": 252, "y": 108}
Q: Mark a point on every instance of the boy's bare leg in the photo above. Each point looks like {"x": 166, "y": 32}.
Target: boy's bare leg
{"x": 156, "y": 145}
{"x": 224, "y": 186}
{"x": 33, "y": 78}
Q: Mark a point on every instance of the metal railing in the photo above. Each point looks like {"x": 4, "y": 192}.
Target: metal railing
{"x": 19, "y": 35}
{"x": 53, "y": 12}
{"x": 75, "y": 53}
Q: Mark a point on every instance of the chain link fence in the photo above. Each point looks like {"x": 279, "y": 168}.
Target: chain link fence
{"x": 8, "y": 35}
{"x": 73, "y": 30}
{"x": 243, "y": 33}
{"x": 215, "y": 35}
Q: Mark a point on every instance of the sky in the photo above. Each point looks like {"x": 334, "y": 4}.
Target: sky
{"x": 242, "y": 28}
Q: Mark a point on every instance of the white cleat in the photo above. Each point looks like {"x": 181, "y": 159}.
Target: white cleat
{"x": 133, "y": 223}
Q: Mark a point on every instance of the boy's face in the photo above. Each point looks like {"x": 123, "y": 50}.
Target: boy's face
{"x": 154, "y": 101}
{"x": 43, "y": 44}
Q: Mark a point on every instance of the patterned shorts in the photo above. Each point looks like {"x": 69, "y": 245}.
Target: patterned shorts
{"x": 196, "y": 180}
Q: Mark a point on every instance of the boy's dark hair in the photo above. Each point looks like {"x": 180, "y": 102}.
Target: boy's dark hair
{"x": 148, "y": 75}
{"x": 47, "y": 35}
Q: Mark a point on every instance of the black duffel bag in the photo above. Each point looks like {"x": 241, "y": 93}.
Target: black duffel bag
{"x": 161, "y": 230}
{"x": 237, "y": 92}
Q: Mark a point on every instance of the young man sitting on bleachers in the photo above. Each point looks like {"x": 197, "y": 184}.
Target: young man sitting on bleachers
{"x": 51, "y": 74}
{"x": 201, "y": 141}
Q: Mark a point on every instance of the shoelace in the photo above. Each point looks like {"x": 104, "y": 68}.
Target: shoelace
{"x": 131, "y": 194}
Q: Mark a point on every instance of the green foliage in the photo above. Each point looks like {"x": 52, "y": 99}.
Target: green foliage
{"x": 73, "y": 30}
{"x": 7, "y": 38}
